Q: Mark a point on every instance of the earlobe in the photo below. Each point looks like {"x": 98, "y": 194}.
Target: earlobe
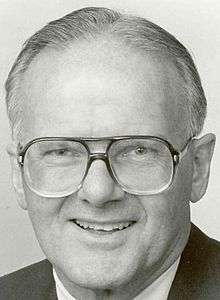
{"x": 17, "y": 175}
{"x": 202, "y": 155}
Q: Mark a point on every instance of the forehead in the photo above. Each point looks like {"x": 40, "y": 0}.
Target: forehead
{"x": 101, "y": 89}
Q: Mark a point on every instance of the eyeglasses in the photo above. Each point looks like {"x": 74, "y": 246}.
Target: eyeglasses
{"x": 57, "y": 166}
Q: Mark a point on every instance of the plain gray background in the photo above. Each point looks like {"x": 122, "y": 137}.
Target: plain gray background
{"x": 195, "y": 23}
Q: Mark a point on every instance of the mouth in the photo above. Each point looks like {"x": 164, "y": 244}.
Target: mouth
{"x": 103, "y": 228}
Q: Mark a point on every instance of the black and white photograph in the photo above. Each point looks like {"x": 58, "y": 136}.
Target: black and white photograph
{"x": 110, "y": 166}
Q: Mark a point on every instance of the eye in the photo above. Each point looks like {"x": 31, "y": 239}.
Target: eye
{"x": 141, "y": 151}
{"x": 59, "y": 152}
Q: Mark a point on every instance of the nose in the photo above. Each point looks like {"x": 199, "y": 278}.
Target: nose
{"x": 99, "y": 187}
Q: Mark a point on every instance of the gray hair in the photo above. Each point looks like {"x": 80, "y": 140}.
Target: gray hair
{"x": 91, "y": 22}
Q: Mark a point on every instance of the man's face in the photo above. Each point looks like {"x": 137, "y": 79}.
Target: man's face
{"x": 96, "y": 90}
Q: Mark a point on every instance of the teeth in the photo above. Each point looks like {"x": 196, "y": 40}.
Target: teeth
{"x": 104, "y": 227}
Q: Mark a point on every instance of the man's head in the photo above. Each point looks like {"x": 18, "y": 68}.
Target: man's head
{"x": 97, "y": 73}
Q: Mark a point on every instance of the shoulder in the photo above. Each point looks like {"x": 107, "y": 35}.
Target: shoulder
{"x": 27, "y": 283}
{"x": 203, "y": 251}
{"x": 198, "y": 275}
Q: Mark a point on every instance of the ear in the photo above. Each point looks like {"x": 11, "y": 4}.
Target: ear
{"x": 202, "y": 155}
{"x": 17, "y": 175}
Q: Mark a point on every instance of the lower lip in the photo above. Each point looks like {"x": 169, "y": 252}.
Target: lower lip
{"x": 103, "y": 239}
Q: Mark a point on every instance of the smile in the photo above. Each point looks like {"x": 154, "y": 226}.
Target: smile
{"x": 103, "y": 228}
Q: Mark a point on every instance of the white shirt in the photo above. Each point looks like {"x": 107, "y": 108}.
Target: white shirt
{"x": 158, "y": 290}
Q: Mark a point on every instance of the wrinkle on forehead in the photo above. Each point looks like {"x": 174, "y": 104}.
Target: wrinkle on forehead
{"x": 89, "y": 85}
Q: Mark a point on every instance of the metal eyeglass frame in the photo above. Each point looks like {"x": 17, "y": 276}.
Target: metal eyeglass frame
{"x": 92, "y": 156}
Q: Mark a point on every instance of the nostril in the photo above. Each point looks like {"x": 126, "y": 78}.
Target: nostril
{"x": 84, "y": 200}
{"x": 100, "y": 203}
{"x": 98, "y": 195}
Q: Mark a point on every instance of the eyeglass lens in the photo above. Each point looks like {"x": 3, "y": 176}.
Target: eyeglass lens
{"x": 57, "y": 168}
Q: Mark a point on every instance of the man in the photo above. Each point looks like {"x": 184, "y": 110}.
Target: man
{"x": 105, "y": 110}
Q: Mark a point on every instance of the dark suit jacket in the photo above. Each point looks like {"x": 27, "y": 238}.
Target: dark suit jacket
{"x": 197, "y": 277}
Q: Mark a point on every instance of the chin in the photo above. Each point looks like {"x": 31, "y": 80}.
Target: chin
{"x": 102, "y": 281}
{"x": 99, "y": 276}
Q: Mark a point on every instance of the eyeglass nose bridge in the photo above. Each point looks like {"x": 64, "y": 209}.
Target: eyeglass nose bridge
{"x": 96, "y": 156}
{"x": 104, "y": 157}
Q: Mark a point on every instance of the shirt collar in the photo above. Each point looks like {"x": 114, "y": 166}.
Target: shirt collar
{"x": 159, "y": 289}
{"x": 62, "y": 293}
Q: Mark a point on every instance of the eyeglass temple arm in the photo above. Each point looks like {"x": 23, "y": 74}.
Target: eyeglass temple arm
{"x": 183, "y": 152}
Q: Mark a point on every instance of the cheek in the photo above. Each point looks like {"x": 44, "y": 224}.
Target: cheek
{"x": 176, "y": 200}
{"x": 44, "y": 214}
{"x": 169, "y": 207}
{"x": 167, "y": 215}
